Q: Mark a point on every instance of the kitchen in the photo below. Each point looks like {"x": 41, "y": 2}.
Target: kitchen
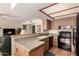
{"x": 46, "y": 37}
{"x": 50, "y": 34}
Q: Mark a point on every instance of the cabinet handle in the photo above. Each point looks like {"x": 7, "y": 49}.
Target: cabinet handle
{"x": 16, "y": 49}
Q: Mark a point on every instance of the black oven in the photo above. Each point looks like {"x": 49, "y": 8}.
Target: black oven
{"x": 64, "y": 40}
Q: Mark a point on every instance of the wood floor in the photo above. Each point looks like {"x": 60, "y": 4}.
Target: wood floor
{"x": 60, "y": 52}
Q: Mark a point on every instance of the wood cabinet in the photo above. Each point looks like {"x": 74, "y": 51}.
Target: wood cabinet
{"x": 46, "y": 45}
{"x": 46, "y": 25}
{"x": 22, "y": 51}
{"x": 38, "y": 51}
{"x": 50, "y": 42}
{"x": 63, "y": 22}
{"x": 55, "y": 42}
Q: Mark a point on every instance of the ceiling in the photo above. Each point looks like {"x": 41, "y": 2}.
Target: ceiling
{"x": 30, "y": 11}
{"x": 23, "y": 11}
{"x": 61, "y": 10}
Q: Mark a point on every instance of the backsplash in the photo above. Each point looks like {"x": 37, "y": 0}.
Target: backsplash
{"x": 56, "y": 32}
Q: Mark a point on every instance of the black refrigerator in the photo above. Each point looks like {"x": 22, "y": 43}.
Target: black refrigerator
{"x": 77, "y": 34}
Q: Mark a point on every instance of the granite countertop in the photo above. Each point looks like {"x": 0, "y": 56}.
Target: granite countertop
{"x": 31, "y": 43}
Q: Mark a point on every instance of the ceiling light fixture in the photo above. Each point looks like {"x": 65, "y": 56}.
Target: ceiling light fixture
{"x": 13, "y": 5}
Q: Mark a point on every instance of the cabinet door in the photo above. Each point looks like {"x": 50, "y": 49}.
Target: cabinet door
{"x": 44, "y": 25}
{"x": 20, "y": 51}
{"x": 50, "y": 42}
{"x": 37, "y": 51}
{"x": 48, "y": 24}
{"x": 46, "y": 45}
{"x": 55, "y": 42}
{"x": 16, "y": 49}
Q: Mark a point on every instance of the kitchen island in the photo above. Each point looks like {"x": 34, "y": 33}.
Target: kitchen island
{"x": 30, "y": 45}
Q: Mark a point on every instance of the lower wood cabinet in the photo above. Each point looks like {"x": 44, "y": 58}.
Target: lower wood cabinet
{"x": 39, "y": 51}
{"x": 22, "y": 51}
{"x": 50, "y": 42}
{"x": 55, "y": 42}
{"x": 46, "y": 45}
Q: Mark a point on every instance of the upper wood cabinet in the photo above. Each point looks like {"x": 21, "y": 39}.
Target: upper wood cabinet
{"x": 70, "y": 21}
{"x": 46, "y": 25}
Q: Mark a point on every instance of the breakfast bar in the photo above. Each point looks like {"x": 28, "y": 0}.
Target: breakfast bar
{"x": 34, "y": 45}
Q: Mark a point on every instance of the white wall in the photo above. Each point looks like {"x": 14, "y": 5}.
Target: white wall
{"x": 35, "y": 22}
{"x": 38, "y": 22}
{"x": 7, "y": 23}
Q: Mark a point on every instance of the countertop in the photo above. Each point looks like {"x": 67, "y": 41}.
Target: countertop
{"x": 32, "y": 42}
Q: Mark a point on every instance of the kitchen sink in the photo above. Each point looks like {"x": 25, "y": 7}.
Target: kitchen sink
{"x": 42, "y": 37}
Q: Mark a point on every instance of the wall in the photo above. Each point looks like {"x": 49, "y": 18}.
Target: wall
{"x": 61, "y": 22}
{"x": 6, "y": 23}
{"x": 36, "y": 22}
